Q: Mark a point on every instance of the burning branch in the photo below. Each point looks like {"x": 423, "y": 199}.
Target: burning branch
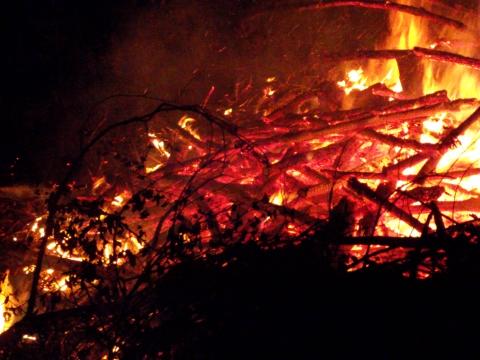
{"x": 372, "y": 122}
{"x": 374, "y": 5}
{"x": 369, "y": 194}
{"x": 435, "y": 55}
{"x": 446, "y": 144}
{"x": 447, "y": 57}
{"x": 383, "y": 5}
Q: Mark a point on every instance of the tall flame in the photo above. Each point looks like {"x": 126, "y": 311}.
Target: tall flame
{"x": 459, "y": 81}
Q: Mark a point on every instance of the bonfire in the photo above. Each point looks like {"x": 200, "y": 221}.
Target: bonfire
{"x": 379, "y": 157}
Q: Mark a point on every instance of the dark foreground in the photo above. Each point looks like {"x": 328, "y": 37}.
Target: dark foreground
{"x": 284, "y": 304}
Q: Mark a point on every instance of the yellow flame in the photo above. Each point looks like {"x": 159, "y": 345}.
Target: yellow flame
{"x": 276, "y": 198}
{"x": 121, "y": 199}
{"x": 186, "y": 123}
{"x": 269, "y": 91}
{"x": 355, "y": 80}
{"x": 407, "y": 32}
{"x": 150, "y": 169}
{"x": 6, "y": 291}
{"x": 281, "y": 197}
{"x": 162, "y": 149}
{"x": 55, "y": 247}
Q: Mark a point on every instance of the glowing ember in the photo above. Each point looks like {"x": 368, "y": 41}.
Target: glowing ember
{"x": 163, "y": 154}
{"x": 99, "y": 182}
{"x": 29, "y": 338}
{"x": 269, "y": 91}
{"x": 186, "y": 123}
{"x": 276, "y": 198}
{"x": 120, "y": 199}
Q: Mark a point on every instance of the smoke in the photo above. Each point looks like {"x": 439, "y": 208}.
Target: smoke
{"x": 174, "y": 50}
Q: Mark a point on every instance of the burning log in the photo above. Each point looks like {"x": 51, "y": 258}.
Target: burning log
{"x": 393, "y": 242}
{"x": 395, "y": 169}
{"x": 362, "y": 175}
{"x": 374, "y": 5}
{"x": 444, "y": 56}
{"x": 435, "y": 55}
{"x": 369, "y": 194}
{"x": 471, "y": 206}
{"x": 394, "y": 141}
{"x": 371, "y": 122}
{"x": 411, "y": 74}
{"x": 398, "y": 106}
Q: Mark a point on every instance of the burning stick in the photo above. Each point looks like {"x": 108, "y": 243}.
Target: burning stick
{"x": 403, "y": 105}
{"x": 406, "y": 242}
{"x": 384, "y": 5}
{"x": 394, "y": 141}
{"x": 399, "y": 106}
{"x": 396, "y": 169}
{"x": 368, "y": 55}
{"x": 447, "y": 144}
{"x": 369, "y": 194}
{"x": 436, "y": 55}
{"x": 470, "y": 205}
{"x": 370, "y": 122}
{"x": 364, "y": 175}
{"x": 376, "y": 5}
{"x": 445, "y": 56}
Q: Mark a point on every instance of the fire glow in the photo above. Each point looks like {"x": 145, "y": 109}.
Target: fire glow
{"x": 390, "y": 153}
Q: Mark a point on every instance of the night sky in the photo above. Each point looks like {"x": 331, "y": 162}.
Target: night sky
{"x": 48, "y": 50}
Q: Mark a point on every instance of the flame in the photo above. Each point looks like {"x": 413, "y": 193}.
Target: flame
{"x": 121, "y": 199}
{"x": 356, "y": 80}
{"x": 408, "y": 32}
{"x": 159, "y": 144}
{"x": 293, "y": 230}
{"x": 459, "y": 81}
{"x": 433, "y": 127}
{"x": 281, "y": 197}
{"x": 53, "y": 281}
{"x": 55, "y": 247}
{"x": 6, "y": 291}
{"x": 269, "y": 91}
{"x": 186, "y": 123}
{"x": 162, "y": 149}
{"x": 276, "y": 198}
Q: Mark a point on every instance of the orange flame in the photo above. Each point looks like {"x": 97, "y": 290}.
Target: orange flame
{"x": 6, "y": 291}
{"x": 186, "y": 123}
